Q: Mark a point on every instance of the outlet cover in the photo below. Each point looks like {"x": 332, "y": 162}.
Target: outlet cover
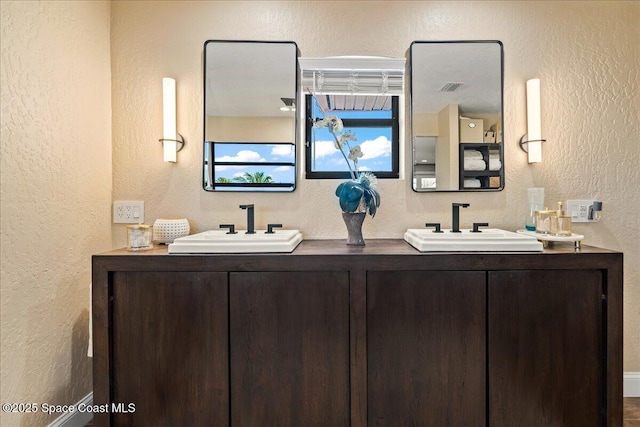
{"x": 128, "y": 212}
{"x": 580, "y": 210}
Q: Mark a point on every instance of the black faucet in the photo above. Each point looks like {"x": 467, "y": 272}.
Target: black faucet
{"x": 250, "y": 224}
{"x": 455, "y": 226}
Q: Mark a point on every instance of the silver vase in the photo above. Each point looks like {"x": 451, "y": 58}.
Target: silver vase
{"x": 353, "y": 221}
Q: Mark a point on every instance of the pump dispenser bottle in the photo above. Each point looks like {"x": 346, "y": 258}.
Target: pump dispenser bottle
{"x": 564, "y": 222}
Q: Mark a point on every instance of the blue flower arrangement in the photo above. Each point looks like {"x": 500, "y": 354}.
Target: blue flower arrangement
{"x": 360, "y": 194}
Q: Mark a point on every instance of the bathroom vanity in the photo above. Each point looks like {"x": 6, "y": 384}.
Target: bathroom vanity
{"x": 381, "y": 335}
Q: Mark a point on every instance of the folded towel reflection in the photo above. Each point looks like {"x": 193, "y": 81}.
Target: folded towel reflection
{"x": 472, "y": 183}
{"x": 474, "y": 165}
{"x": 495, "y": 164}
{"x": 472, "y": 154}
{"x": 428, "y": 182}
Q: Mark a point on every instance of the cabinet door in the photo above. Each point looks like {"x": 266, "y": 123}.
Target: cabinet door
{"x": 545, "y": 348}
{"x": 426, "y": 348}
{"x": 170, "y": 348}
{"x": 289, "y": 349}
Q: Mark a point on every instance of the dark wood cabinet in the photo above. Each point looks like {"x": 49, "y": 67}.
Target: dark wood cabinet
{"x": 380, "y": 335}
{"x": 169, "y": 347}
{"x": 289, "y": 342}
{"x": 546, "y": 361}
{"x": 426, "y": 348}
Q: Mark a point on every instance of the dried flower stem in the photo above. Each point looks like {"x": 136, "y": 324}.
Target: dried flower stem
{"x": 351, "y": 171}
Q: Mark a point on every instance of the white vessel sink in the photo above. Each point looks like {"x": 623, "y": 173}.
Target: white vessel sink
{"x": 219, "y": 242}
{"x": 488, "y": 240}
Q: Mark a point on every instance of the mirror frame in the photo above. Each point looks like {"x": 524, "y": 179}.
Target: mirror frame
{"x": 207, "y": 173}
{"x": 412, "y": 111}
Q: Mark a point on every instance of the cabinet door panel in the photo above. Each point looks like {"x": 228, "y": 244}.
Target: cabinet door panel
{"x": 545, "y": 348}
{"x": 170, "y": 348}
{"x": 426, "y": 348}
{"x": 289, "y": 349}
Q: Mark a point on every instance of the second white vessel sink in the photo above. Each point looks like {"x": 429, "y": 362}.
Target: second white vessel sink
{"x": 489, "y": 240}
{"x": 220, "y": 242}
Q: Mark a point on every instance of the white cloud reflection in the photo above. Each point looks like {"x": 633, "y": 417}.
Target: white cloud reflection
{"x": 241, "y": 156}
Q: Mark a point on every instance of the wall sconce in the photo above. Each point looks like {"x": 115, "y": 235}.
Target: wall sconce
{"x": 170, "y": 137}
{"x": 533, "y": 137}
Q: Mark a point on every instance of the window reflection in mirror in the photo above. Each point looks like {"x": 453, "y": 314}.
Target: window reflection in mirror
{"x": 250, "y": 97}
{"x": 247, "y": 167}
{"x": 457, "y": 116}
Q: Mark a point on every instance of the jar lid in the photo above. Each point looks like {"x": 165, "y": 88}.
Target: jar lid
{"x": 139, "y": 227}
{"x": 545, "y": 211}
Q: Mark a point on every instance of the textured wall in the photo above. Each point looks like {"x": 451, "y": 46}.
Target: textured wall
{"x": 586, "y": 53}
{"x": 55, "y": 195}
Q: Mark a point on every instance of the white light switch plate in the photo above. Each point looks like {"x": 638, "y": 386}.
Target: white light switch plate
{"x": 128, "y": 212}
{"x": 579, "y": 210}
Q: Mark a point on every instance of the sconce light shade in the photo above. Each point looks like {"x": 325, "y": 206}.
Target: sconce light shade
{"x": 534, "y": 124}
{"x": 169, "y": 133}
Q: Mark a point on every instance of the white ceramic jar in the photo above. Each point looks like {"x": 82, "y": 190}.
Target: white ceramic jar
{"x": 166, "y": 230}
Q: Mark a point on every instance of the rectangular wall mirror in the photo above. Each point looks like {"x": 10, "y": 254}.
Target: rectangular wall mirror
{"x": 250, "y": 119}
{"x": 457, "y": 115}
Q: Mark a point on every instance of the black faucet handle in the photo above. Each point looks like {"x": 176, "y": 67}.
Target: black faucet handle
{"x": 477, "y": 225}
{"x": 230, "y": 227}
{"x": 434, "y": 224}
{"x": 461, "y": 205}
{"x": 270, "y": 228}
{"x": 246, "y": 206}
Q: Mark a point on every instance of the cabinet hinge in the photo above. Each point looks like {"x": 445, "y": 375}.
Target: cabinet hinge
{"x": 604, "y": 297}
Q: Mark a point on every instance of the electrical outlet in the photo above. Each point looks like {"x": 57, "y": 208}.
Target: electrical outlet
{"x": 581, "y": 210}
{"x": 128, "y": 212}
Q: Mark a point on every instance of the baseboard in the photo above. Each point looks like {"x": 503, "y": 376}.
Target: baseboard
{"x": 631, "y": 385}
{"x": 631, "y": 388}
{"x": 76, "y": 418}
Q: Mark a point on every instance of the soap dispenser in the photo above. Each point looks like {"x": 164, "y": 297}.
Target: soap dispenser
{"x": 564, "y": 222}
